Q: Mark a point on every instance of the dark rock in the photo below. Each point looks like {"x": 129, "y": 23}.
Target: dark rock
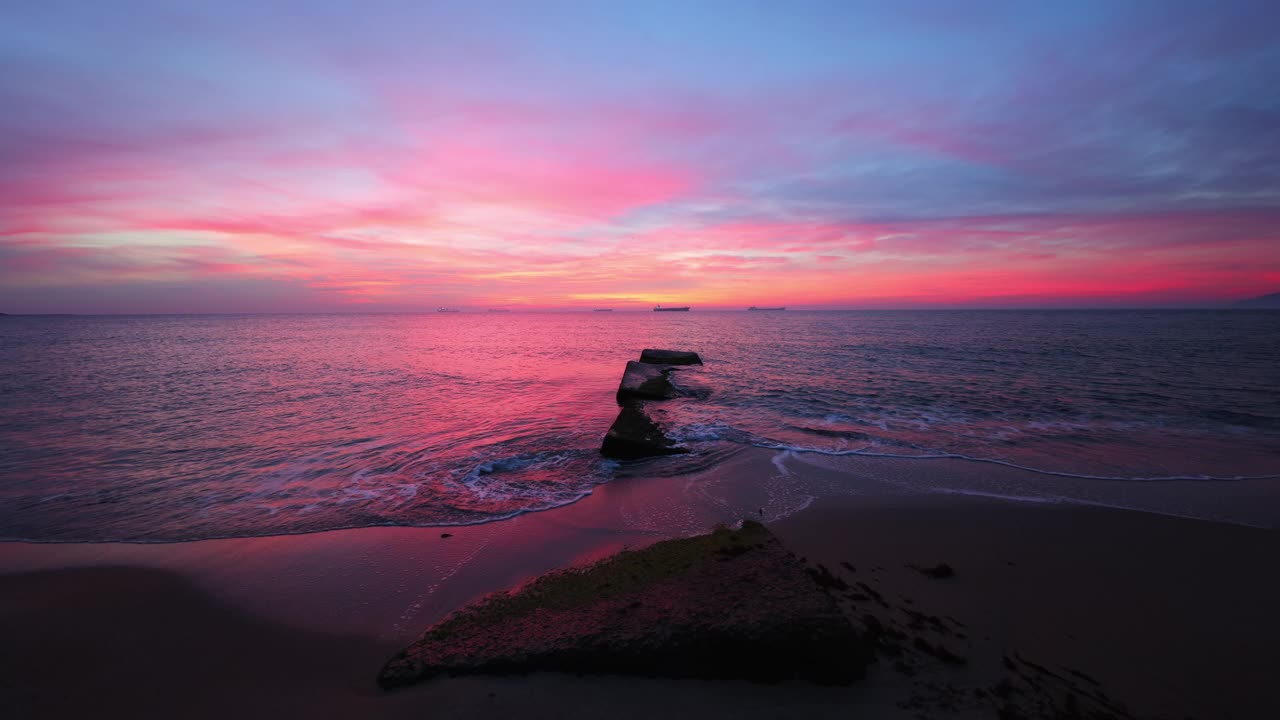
{"x": 661, "y": 611}
{"x": 939, "y": 651}
{"x": 940, "y": 571}
{"x": 827, "y": 579}
{"x": 446, "y": 535}
{"x": 875, "y": 628}
{"x": 1010, "y": 712}
{"x": 920, "y": 621}
{"x": 874, "y": 595}
{"x": 1004, "y": 689}
{"x": 647, "y": 382}
{"x": 634, "y": 435}
{"x": 669, "y": 357}
{"x": 1083, "y": 676}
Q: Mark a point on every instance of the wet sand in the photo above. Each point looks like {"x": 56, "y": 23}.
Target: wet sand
{"x": 1170, "y": 617}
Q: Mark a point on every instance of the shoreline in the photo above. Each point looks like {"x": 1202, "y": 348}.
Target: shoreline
{"x": 1154, "y": 603}
{"x": 1248, "y": 501}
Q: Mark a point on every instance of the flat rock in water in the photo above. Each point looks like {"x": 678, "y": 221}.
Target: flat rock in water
{"x": 646, "y": 381}
{"x": 729, "y": 604}
{"x": 634, "y": 435}
{"x": 669, "y": 357}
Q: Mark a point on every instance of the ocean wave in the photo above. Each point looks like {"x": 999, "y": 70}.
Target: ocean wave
{"x": 859, "y": 435}
{"x": 515, "y": 463}
{"x": 704, "y": 432}
{"x": 1244, "y": 419}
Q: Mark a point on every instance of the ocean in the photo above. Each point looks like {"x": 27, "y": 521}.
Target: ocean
{"x": 170, "y": 428}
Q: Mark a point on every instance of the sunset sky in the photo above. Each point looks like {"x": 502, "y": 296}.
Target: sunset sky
{"x": 317, "y": 156}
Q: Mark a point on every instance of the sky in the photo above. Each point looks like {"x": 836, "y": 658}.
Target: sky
{"x": 396, "y": 156}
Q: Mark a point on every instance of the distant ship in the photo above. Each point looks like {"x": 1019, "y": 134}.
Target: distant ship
{"x": 659, "y": 308}
{"x": 753, "y": 308}
{"x": 603, "y": 310}
{"x": 498, "y": 310}
{"x": 447, "y": 309}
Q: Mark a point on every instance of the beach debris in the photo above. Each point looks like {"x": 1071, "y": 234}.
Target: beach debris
{"x": 661, "y": 611}
{"x": 669, "y": 357}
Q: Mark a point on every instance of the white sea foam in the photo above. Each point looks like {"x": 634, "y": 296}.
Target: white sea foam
{"x": 1037, "y": 499}
{"x": 701, "y": 432}
{"x": 779, "y": 461}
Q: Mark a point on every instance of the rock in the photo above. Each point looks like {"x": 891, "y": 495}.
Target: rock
{"x": 646, "y": 381}
{"x": 941, "y": 571}
{"x": 729, "y": 604}
{"x": 634, "y": 435}
{"x": 669, "y": 357}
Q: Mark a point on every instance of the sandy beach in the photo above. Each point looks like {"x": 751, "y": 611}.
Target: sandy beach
{"x": 1161, "y": 616}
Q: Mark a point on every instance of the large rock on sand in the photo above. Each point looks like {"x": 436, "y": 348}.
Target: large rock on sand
{"x": 669, "y": 357}
{"x": 647, "y": 382}
{"x": 634, "y": 435}
{"x": 730, "y": 604}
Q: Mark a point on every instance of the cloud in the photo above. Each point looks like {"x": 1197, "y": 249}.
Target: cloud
{"x": 402, "y": 157}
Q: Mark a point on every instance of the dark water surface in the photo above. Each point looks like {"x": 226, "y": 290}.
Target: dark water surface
{"x": 184, "y": 427}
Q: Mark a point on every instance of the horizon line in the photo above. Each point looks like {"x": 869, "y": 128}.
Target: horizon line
{"x": 1235, "y": 305}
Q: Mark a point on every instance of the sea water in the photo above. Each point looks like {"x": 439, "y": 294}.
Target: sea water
{"x": 163, "y": 428}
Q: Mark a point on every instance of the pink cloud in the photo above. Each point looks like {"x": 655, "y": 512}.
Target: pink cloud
{"x": 586, "y": 182}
